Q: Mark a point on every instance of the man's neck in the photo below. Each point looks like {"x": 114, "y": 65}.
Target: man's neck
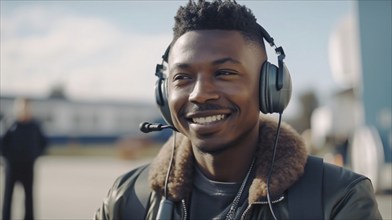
{"x": 230, "y": 165}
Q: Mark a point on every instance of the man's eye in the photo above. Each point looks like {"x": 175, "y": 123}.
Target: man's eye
{"x": 181, "y": 77}
{"x": 225, "y": 73}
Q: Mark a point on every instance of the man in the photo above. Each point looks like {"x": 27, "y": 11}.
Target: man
{"x": 21, "y": 145}
{"x": 219, "y": 165}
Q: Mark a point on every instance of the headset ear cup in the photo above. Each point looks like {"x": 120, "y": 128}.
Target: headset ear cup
{"x": 271, "y": 99}
{"x": 284, "y": 94}
{"x": 158, "y": 92}
{"x": 264, "y": 103}
{"x": 162, "y": 101}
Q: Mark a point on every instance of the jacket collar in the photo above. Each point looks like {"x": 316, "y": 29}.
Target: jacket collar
{"x": 289, "y": 163}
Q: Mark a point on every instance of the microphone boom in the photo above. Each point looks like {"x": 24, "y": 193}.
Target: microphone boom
{"x": 147, "y": 127}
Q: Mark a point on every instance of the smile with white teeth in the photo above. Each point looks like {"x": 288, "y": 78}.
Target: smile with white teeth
{"x": 208, "y": 119}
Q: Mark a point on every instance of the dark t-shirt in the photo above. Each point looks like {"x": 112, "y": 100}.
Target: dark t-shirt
{"x": 212, "y": 199}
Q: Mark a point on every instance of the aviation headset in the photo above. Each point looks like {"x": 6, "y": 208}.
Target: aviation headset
{"x": 274, "y": 87}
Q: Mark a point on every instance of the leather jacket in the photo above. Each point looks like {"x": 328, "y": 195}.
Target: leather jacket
{"x": 345, "y": 194}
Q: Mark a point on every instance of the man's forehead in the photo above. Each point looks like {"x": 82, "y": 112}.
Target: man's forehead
{"x": 221, "y": 43}
{"x": 218, "y": 35}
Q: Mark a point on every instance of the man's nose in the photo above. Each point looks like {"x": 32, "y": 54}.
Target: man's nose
{"x": 203, "y": 90}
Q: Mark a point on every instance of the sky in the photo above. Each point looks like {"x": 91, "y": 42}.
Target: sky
{"x": 107, "y": 50}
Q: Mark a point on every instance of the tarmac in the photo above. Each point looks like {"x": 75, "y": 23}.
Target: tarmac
{"x": 73, "y": 187}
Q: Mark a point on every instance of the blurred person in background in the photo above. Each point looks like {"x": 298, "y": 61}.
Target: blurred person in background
{"x": 22, "y": 143}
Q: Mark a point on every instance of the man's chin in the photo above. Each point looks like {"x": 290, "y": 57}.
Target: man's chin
{"x": 211, "y": 148}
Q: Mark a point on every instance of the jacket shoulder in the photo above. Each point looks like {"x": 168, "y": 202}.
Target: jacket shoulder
{"x": 347, "y": 195}
{"x": 129, "y": 178}
{"x": 336, "y": 176}
{"x": 123, "y": 199}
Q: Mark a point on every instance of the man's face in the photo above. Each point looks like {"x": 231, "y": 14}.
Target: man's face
{"x": 213, "y": 87}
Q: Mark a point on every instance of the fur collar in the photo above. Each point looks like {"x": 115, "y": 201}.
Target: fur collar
{"x": 289, "y": 164}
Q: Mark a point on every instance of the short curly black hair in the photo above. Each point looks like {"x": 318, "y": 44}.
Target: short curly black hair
{"x": 217, "y": 15}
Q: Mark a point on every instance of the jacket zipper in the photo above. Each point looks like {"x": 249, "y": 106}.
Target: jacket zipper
{"x": 260, "y": 203}
{"x": 184, "y": 212}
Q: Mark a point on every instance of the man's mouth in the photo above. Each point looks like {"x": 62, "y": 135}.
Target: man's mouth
{"x": 208, "y": 119}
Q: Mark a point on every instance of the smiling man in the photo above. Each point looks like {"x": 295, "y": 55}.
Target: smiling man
{"x": 224, "y": 161}
{"x": 210, "y": 82}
